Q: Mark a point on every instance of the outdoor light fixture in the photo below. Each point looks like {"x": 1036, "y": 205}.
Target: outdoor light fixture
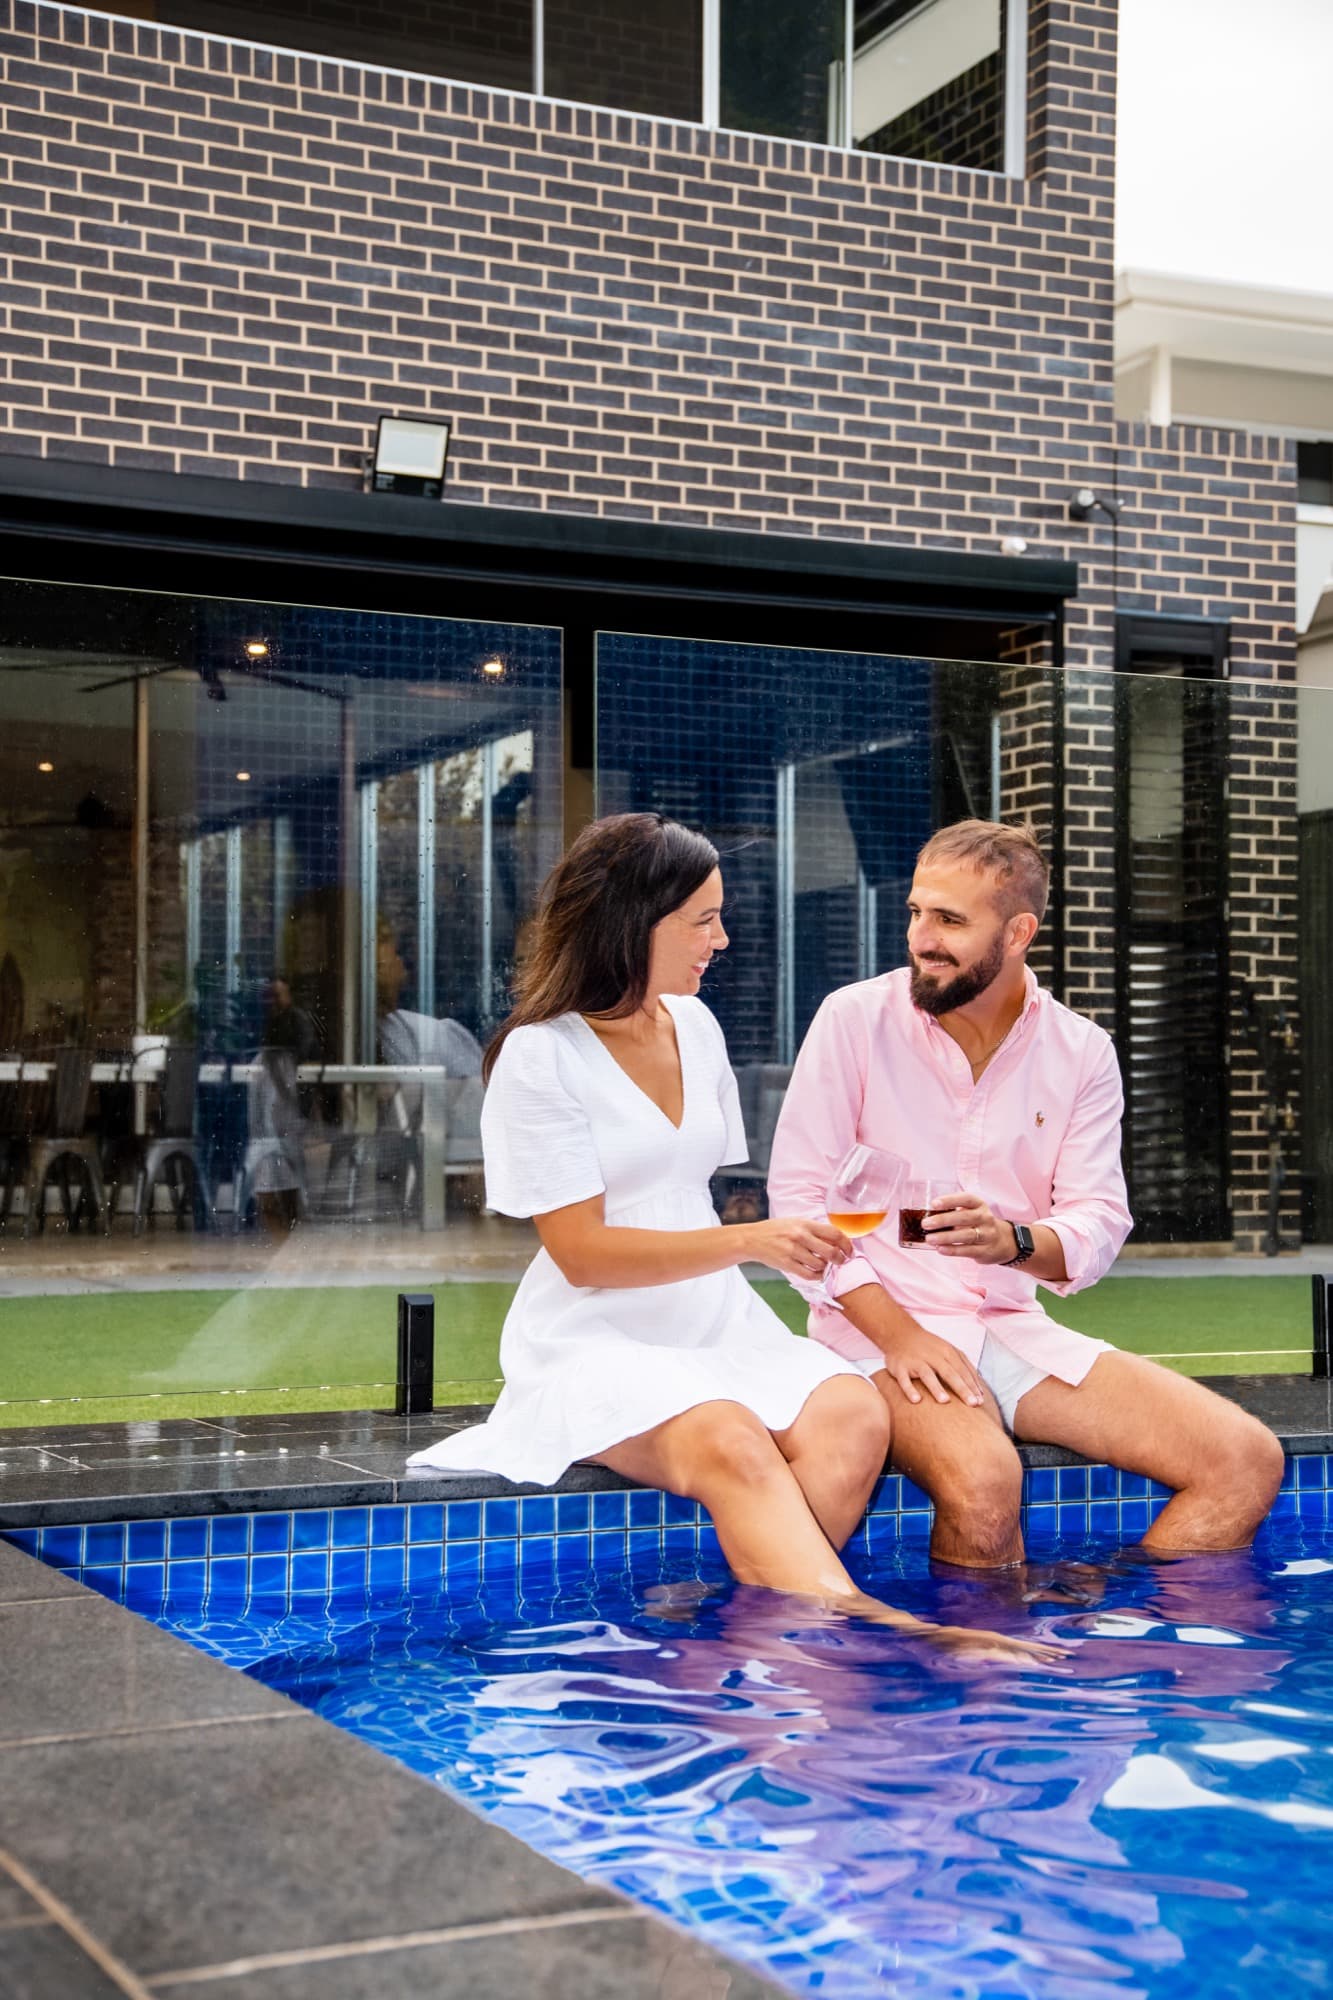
{"x": 493, "y": 668}
{"x": 1084, "y": 503}
{"x": 242, "y": 777}
{"x": 409, "y": 457}
{"x": 1013, "y": 545}
{"x": 256, "y": 649}
{"x": 46, "y": 766}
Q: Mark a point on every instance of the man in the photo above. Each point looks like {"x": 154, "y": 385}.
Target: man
{"x": 963, "y": 1065}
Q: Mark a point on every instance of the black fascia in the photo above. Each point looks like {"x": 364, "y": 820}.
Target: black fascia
{"x": 100, "y": 517}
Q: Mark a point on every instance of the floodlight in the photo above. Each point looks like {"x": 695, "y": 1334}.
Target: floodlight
{"x": 409, "y": 457}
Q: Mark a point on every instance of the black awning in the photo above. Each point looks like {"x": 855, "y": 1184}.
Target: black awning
{"x": 103, "y": 524}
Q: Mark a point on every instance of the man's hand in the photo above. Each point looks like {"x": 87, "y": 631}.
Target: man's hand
{"x": 963, "y": 1226}
{"x": 936, "y": 1364}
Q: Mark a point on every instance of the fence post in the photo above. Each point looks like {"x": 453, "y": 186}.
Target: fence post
{"x": 1321, "y": 1285}
{"x": 416, "y": 1354}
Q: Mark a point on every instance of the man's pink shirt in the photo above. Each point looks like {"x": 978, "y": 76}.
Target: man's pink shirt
{"x": 1038, "y": 1138}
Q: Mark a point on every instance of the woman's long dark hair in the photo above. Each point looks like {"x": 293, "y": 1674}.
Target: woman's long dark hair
{"x": 588, "y": 953}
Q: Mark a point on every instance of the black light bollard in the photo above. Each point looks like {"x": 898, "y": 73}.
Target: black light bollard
{"x": 1321, "y": 1284}
{"x": 416, "y": 1354}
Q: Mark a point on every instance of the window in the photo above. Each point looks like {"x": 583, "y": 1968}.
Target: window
{"x": 1314, "y": 472}
{"x": 924, "y": 79}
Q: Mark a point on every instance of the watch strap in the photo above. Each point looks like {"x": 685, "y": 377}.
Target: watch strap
{"x": 1026, "y": 1247}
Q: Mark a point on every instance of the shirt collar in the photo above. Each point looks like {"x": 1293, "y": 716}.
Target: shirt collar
{"x": 1032, "y": 999}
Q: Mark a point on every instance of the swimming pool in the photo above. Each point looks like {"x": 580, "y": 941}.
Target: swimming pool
{"x": 852, "y": 1815}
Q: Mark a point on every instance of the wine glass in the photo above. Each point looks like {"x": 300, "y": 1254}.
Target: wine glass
{"x": 861, "y": 1193}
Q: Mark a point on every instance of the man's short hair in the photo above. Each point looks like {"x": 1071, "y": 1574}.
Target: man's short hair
{"x": 1011, "y": 854}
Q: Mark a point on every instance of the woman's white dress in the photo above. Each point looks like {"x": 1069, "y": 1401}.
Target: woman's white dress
{"x": 586, "y": 1367}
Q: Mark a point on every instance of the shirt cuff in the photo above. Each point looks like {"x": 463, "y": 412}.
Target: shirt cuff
{"x": 847, "y": 1277}
{"x": 1081, "y": 1265}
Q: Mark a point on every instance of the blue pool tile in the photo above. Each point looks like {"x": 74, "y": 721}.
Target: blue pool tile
{"x": 1309, "y": 1472}
{"x": 27, "y": 1539}
{"x": 887, "y": 1496}
{"x": 388, "y": 1527}
{"x": 500, "y": 1519}
{"x": 1072, "y": 1517}
{"x": 230, "y": 1535}
{"x": 645, "y": 1509}
{"x": 1285, "y": 1505}
{"x": 914, "y": 1497}
{"x": 104, "y": 1578}
{"x": 574, "y": 1551}
{"x": 573, "y": 1512}
{"x": 387, "y": 1567}
{"x": 425, "y": 1562}
{"x": 104, "y": 1542}
{"x": 347, "y": 1569}
{"x": 145, "y": 1582}
{"x": 462, "y": 1520}
{"x": 1041, "y": 1520}
{"x": 310, "y": 1573}
{"x": 1103, "y": 1482}
{"x": 499, "y": 1555}
{"x": 610, "y": 1510}
{"x": 270, "y": 1533}
{"x": 462, "y": 1565}
{"x": 643, "y": 1541}
{"x": 187, "y": 1540}
{"x": 709, "y": 1544}
{"x": 915, "y": 1525}
{"x": 679, "y": 1537}
{"x": 1133, "y": 1486}
{"x": 63, "y": 1547}
{"x": 1104, "y": 1518}
{"x": 1134, "y": 1516}
{"x": 187, "y": 1582}
{"x": 147, "y": 1542}
{"x": 351, "y": 1527}
{"x": 270, "y": 1575}
{"x": 310, "y": 1528}
{"x": 536, "y": 1551}
{"x": 1311, "y": 1506}
{"x": 679, "y": 1512}
{"x": 536, "y": 1514}
{"x": 229, "y": 1576}
{"x": 1073, "y": 1482}
{"x": 1039, "y": 1486}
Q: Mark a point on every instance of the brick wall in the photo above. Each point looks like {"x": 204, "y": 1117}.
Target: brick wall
{"x": 230, "y": 261}
{"x": 959, "y": 125}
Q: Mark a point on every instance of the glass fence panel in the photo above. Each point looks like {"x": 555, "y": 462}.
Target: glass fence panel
{"x": 1190, "y": 822}
{"x": 262, "y": 874}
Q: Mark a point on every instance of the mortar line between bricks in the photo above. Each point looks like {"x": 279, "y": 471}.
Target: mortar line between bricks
{"x": 77, "y": 1932}
{"x": 238, "y": 1968}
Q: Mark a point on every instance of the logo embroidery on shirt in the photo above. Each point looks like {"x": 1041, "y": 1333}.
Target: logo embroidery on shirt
{"x": 1041, "y": 1118}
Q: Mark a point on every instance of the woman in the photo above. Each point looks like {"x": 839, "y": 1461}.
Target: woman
{"x": 634, "y": 1341}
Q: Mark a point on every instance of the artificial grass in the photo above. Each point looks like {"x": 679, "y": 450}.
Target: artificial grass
{"x": 125, "y": 1356}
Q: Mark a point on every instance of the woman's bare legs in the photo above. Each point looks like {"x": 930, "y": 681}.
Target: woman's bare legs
{"x": 721, "y": 1455}
{"x": 837, "y": 1449}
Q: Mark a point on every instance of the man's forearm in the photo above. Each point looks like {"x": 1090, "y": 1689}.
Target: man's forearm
{"x": 881, "y": 1319}
{"x": 1047, "y": 1262}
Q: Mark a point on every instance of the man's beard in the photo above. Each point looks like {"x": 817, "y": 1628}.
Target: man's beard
{"x": 942, "y": 995}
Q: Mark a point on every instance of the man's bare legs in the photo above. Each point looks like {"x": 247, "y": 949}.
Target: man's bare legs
{"x": 1224, "y": 1465}
{"x": 959, "y": 1454}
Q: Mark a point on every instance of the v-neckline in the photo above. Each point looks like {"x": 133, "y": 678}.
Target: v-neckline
{"x": 619, "y": 1067}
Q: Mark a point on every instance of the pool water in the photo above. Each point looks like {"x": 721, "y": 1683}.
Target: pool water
{"x": 856, "y": 1815}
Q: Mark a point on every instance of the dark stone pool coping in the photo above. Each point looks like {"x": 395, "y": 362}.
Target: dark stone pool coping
{"x": 250, "y": 1464}
{"x": 170, "y": 1827}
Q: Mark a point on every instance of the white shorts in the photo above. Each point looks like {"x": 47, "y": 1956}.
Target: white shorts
{"x": 1006, "y": 1374}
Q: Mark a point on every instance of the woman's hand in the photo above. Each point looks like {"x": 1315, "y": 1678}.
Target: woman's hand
{"x": 793, "y": 1245}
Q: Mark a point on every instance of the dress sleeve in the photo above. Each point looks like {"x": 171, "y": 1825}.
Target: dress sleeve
{"x": 736, "y": 1150}
{"x": 536, "y": 1140}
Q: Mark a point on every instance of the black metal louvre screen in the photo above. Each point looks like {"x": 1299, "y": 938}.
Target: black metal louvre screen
{"x": 1172, "y": 1010}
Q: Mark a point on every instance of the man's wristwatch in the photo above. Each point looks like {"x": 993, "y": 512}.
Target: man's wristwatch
{"x": 1026, "y": 1247}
